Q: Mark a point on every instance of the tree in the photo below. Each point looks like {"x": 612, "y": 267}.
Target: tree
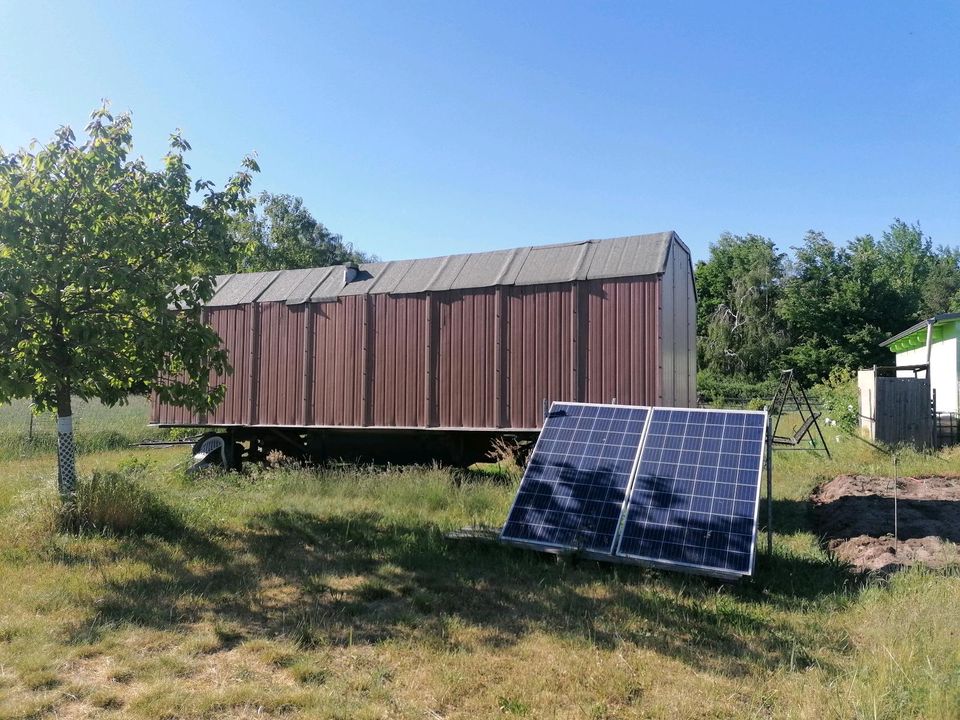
{"x": 837, "y": 305}
{"x": 809, "y": 308}
{"x": 907, "y": 258}
{"x": 282, "y": 234}
{"x": 738, "y": 288}
{"x": 96, "y": 251}
{"x": 940, "y": 291}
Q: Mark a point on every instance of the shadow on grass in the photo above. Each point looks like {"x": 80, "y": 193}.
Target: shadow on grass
{"x": 789, "y": 517}
{"x": 363, "y": 577}
{"x": 873, "y": 515}
{"x": 790, "y": 580}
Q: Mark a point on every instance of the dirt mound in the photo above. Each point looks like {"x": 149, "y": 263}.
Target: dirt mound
{"x": 855, "y": 516}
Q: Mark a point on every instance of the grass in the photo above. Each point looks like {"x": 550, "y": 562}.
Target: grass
{"x": 335, "y": 594}
{"x": 97, "y": 428}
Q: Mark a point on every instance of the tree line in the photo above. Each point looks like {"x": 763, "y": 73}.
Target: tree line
{"x": 824, "y": 307}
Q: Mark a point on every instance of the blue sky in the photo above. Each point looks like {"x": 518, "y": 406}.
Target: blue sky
{"x": 419, "y": 129}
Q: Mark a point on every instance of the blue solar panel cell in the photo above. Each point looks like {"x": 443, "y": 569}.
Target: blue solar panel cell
{"x": 695, "y": 495}
{"x": 573, "y": 490}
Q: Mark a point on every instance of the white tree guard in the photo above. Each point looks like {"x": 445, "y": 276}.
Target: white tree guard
{"x": 66, "y": 457}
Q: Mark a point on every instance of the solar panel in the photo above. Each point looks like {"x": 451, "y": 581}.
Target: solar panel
{"x": 669, "y": 487}
{"x": 573, "y": 489}
{"x": 694, "y": 500}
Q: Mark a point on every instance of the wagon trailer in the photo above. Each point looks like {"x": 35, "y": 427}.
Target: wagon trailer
{"x": 433, "y": 359}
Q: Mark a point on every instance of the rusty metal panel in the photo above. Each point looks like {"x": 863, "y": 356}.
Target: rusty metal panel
{"x": 233, "y": 326}
{"x": 230, "y": 323}
{"x": 470, "y": 358}
{"x": 430, "y": 355}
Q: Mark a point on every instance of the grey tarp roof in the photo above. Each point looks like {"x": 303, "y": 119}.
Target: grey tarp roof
{"x": 632, "y": 256}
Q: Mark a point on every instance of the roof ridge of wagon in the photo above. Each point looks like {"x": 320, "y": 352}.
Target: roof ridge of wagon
{"x": 594, "y": 259}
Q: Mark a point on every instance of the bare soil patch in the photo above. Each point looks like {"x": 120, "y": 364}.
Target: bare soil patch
{"x": 855, "y": 516}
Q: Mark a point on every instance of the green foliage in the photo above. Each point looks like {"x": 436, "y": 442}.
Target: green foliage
{"x": 941, "y": 289}
{"x": 95, "y": 248}
{"x": 738, "y": 290}
{"x": 907, "y": 255}
{"x": 282, "y": 234}
{"x": 830, "y": 306}
{"x": 719, "y": 390}
{"x": 512, "y": 706}
{"x": 839, "y": 398}
{"x": 832, "y": 302}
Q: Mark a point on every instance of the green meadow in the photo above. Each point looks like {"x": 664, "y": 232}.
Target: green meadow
{"x": 336, "y": 593}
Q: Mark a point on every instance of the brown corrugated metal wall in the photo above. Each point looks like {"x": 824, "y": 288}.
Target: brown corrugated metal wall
{"x": 340, "y": 332}
{"x": 483, "y": 358}
{"x": 399, "y": 361}
{"x": 279, "y": 388}
{"x": 539, "y": 326}
{"x": 466, "y": 373}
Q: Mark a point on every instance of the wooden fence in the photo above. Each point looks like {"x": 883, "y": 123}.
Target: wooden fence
{"x": 895, "y": 410}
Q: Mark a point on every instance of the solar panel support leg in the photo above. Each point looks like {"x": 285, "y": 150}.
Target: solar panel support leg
{"x": 769, "y": 490}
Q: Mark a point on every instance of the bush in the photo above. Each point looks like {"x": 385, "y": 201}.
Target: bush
{"x": 718, "y": 390}
{"x": 839, "y": 399}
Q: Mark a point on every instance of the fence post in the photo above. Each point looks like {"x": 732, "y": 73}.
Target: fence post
{"x": 769, "y": 463}
{"x": 934, "y": 423}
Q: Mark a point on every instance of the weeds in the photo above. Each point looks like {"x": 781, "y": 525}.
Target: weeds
{"x": 508, "y": 454}
{"x": 116, "y": 502}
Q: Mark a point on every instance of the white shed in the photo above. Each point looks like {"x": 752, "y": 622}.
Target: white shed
{"x": 932, "y": 342}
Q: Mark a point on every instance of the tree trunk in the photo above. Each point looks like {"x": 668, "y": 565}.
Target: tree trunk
{"x": 66, "y": 449}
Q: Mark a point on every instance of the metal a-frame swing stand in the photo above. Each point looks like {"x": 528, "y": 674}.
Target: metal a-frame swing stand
{"x": 791, "y": 389}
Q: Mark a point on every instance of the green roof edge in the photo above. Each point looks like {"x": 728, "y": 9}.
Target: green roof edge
{"x": 916, "y": 337}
